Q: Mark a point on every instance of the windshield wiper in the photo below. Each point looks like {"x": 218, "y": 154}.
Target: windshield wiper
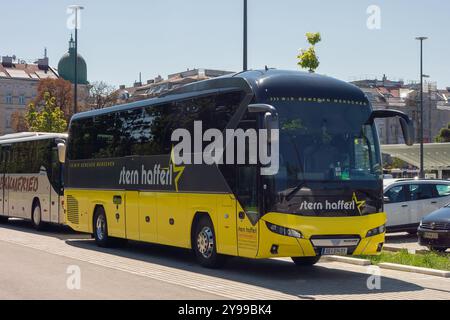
{"x": 291, "y": 194}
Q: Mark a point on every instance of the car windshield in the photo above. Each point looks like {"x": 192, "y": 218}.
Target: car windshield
{"x": 326, "y": 142}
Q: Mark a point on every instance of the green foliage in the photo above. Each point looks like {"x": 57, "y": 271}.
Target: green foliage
{"x": 428, "y": 260}
{"x": 313, "y": 38}
{"x": 396, "y": 163}
{"x": 49, "y": 118}
{"x": 292, "y": 125}
{"x": 444, "y": 135}
{"x": 308, "y": 58}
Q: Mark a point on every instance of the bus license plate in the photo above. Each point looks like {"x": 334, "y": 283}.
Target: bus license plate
{"x": 430, "y": 235}
{"x": 334, "y": 251}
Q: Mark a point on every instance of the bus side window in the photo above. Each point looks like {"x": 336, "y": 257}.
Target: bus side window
{"x": 247, "y": 188}
{"x": 247, "y": 174}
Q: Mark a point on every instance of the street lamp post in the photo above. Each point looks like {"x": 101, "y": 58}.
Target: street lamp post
{"x": 245, "y": 36}
{"x": 76, "y": 9}
{"x": 422, "y": 171}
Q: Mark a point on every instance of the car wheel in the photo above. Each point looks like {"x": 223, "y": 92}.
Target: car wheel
{"x": 305, "y": 261}
{"x": 4, "y": 219}
{"x": 204, "y": 244}
{"x": 438, "y": 249}
{"x": 36, "y": 217}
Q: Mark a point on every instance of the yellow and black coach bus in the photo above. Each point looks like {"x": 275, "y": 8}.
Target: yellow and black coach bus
{"x": 121, "y": 180}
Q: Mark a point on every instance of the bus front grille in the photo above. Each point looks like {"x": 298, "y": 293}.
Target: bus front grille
{"x": 72, "y": 210}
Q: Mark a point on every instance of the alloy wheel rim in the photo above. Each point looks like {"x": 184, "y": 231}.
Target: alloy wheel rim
{"x": 37, "y": 216}
{"x": 205, "y": 242}
{"x": 101, "y": 227}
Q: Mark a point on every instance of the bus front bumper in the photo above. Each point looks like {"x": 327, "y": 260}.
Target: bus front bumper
{"x": 321, "y": 236}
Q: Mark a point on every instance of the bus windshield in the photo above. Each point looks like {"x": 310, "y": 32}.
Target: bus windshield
{"x": 326, "y": 143}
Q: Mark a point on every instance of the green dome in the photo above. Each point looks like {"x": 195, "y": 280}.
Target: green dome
{"x": 66, "y": 68}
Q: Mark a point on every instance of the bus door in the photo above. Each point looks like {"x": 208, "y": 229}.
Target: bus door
{"x": 115, "y": 214}
{"x": 2, "y": 179}
{"x": 147, "y": 216}
{"x": 56, "y": 191}
{"x": 246, "y": 190}
{"x": 132, "y": 210}
{"x": 5, "y": 156}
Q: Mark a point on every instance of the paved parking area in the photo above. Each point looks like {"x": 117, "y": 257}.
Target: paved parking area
{"x": 34, "y": 266}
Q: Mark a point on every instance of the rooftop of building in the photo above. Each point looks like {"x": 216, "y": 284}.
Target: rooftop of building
{"x": 159, "y": 85}
{"x": 12, "y": 68}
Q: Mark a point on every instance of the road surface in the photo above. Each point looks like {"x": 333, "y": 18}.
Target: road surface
{"x": 59, "y": 264}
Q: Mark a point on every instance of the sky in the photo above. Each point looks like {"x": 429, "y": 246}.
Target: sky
{"x": 121, "y": 38}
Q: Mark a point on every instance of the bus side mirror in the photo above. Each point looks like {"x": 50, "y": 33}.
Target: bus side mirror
{"x": 271, "y": 121}
{"x": 62, "y": 152}
{"x": 405, "y": 122}
{"x": 271, "y": 124}
{"x": 408, "y": 131}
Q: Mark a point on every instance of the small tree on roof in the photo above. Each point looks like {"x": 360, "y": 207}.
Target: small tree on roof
{"x": 308, "y": 58}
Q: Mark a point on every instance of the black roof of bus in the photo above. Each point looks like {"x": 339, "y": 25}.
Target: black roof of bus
{"x": 261, "y": 83}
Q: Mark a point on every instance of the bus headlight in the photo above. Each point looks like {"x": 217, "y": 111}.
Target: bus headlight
{"x": 284, "y": 231}
{"x": 376, "y": 231}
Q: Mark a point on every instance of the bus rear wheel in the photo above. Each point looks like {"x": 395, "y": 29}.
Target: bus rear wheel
{"x": 101, "y": 229}
{"x": 36, "y": 217}
{"x": 305, "y": 261}
{"x": 204, "y": 244}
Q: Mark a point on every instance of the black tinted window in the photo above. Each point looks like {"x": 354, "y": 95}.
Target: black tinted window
{"x": 443, "y": 190}
{"x": 148, "y": 130}
{"x": 29, "y": 157}
{"x": 421, "y": 191}
{"x": 396, "y": 194}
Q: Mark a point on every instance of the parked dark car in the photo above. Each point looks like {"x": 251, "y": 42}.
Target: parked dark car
{"x": 434, "y": 230}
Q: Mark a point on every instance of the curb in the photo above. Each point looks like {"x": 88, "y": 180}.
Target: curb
{"x": 427, "y": 271}
{"x": 355, "y": 261}
{"x": 392, "y": 249}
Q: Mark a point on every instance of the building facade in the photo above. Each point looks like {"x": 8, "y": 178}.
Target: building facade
{"x": 387, "y": 94}
{"x": 18, "y": 86}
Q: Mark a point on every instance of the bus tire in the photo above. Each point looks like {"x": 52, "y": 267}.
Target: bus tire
{"x": 36, "y": 216}
{"x": 100, "y": 229}
{"x": 305, "y": 261}
{"x": 204, "y": 244}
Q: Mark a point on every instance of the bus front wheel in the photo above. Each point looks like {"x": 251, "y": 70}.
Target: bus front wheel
{"x": 101, "y": 229}
{"x": 204, "y": 244}
{"x": 305, "y": 261}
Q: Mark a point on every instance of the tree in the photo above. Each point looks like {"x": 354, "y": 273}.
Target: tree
{"x": 18, "y": 122}
{"x": 61, "y": 90}
{"x": 308, "y": 58}
{"x": 102, "y": 95}
{"x": 444, "y": 135}
{"x": 49, "y": 118}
